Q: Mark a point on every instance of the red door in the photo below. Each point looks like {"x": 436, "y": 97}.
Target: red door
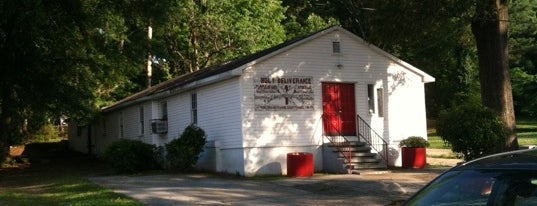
{"x": 339, "y": 115}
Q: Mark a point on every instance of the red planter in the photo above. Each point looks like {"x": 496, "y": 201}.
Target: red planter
{"x": 299, "y": 164}
{"x": 413, "y": 157}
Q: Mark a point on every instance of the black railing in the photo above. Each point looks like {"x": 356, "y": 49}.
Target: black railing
{"x": 342, "y": 144}
{"x": 374, "y": 140}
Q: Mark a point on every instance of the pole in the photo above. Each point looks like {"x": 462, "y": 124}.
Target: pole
{"x": 149, "y": 56}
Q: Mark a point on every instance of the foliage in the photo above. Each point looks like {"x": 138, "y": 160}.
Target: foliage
{"x": 523, "y": 56}
{"x": 183, "y": 152}
{"x": 131, "y": 156}
{"x": 302, "y": 19}
{"x": 471, "y": 130}
{"x": 47, "y": 133}
{"x": 198, "y": 34}
{"x": 414, "y": 142}
{"x": 59, "y": 58}
{"x": 524, "y": 92}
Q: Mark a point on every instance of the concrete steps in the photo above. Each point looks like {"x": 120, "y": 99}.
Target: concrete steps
{"x": 361, "y": 157}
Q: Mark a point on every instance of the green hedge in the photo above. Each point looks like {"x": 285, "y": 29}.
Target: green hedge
{"x": 472, "y": 131}
{"x": 131, "y": 156}
{"x": 183, "y": 152}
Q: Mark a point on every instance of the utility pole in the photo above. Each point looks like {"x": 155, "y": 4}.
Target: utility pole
{"x": 149, "y": 55}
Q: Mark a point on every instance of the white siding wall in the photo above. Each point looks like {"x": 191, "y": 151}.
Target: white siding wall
{"x": 219, "y": 113}
{"x": 407, "y": 107}
{"x": 107, "y": 135}
{"x": 77, "y": 137}
{"x": 178, "y": 115}
{"x": 107, "y": 129}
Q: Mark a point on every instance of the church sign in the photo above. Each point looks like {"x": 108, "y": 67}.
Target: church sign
{"x": 283, "y": 93}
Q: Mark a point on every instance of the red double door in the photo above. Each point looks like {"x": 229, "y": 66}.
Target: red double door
{"x": 339, "y": 114}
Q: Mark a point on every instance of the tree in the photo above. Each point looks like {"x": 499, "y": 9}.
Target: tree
{"x": 59, "y": 58}
{"x": 199, "y": 34}
{"x": 302, "y": 18}
{"x": 490, "y": 31}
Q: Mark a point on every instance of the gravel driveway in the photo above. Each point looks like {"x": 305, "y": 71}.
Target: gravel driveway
{"x": 206, "y": 189}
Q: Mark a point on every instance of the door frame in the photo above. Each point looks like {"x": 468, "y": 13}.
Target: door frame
{"x": 345, "y": 126}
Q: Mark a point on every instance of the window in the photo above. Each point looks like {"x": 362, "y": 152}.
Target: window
{"x": 371, "y": 98}
{"x": 121, "y": 133}
{"x": 142, "y": 120}
{"x": 336, "y": 48}
{"x": 194, "y": 110}
{"x": 380, "y": 102}
{"x": 164, "y": 110}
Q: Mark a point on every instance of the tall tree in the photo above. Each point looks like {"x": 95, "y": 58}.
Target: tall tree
{"x": 58, "y": 58}
{"x": 489, "y": 27}
{"x": 198, "y": 34}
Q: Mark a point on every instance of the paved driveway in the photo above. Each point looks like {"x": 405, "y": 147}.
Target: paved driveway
{"x": 206, "y": 189}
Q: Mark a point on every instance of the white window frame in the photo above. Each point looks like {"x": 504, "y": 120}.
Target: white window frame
{"x": 371, "y": 98}
{"x": 380, "y": 101}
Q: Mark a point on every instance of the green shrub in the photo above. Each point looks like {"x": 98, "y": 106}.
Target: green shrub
{"x": 472, "y": 131}
{"x": 131, "y": 156}
{"x": 414, "y": 142}
{"x": 183, "y": 152}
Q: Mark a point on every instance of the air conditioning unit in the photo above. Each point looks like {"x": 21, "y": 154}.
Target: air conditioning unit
{"x": 159, "y": 127}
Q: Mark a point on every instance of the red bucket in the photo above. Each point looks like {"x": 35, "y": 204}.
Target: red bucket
{"x": 299, "y": 164}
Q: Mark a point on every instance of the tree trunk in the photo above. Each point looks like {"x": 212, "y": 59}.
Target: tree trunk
{"x": 490, "y": 31}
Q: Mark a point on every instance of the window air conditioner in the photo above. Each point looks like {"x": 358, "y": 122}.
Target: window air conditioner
{"x": 159, "y": 127}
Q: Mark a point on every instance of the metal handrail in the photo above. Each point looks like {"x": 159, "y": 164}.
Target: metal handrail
{"x": 372, "y": 138}
{"x": 342, "y": 144}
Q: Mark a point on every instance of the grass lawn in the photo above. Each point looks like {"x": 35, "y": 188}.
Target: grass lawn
{"x": 63, "y": 191}
{"x": 526, "y": 133}
{"x": 56, "y": 178}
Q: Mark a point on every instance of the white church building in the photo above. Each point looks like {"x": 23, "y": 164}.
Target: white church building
{"x": 331, "y": 94}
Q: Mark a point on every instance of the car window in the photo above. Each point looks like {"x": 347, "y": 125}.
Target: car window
{"x": 516, "y": 191}
{"x": 475, "y": 187}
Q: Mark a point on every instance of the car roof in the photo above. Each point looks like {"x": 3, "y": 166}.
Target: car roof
{"x": 519, "y": 160}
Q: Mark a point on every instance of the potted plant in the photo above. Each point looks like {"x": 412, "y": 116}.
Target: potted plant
{"x": 413, "y": 152}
